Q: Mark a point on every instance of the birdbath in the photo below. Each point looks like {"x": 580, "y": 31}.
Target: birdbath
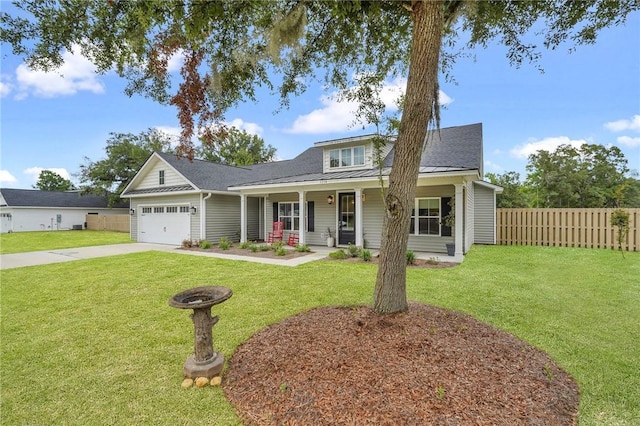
{"x": 205, "y": 362}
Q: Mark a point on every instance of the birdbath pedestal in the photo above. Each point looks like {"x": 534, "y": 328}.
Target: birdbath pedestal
{"x": 205, "y": 362}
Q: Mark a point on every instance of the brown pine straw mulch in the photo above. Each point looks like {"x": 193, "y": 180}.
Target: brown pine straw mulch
{"x": 427, "y": 366}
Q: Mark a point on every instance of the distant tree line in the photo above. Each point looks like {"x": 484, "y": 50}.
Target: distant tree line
{"x": 590, "y": 176}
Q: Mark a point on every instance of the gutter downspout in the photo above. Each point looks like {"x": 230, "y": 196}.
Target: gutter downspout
{"x": 203, "y": 216}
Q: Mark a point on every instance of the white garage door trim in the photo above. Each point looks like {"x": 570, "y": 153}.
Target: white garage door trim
{"x": 164, "y": 223}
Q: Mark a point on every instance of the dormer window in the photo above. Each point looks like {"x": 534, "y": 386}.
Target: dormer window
{"x": 346, "y": 157}
{"x": 161, "y": 177}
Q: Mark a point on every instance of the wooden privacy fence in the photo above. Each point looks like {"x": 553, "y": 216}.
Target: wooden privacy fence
{"x": 109, "y": 222}
{"x": 589, "y": 228}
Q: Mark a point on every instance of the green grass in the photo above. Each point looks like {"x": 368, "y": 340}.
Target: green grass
{"x": 95, "y": 342}
{"x": 20, "y": 242}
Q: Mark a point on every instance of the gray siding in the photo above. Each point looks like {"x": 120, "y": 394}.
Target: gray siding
{"x": 223, "y": 218}
{"x": 253, "y": 218}
{"x": 469, "y": 224}
{"x": 484, "y": 231}
{"x": 373, "y": 215}
{"x": 324, "y": 214}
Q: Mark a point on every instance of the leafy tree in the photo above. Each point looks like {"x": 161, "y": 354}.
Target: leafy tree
{"x": 588, "y": 176}
{"x": 232, "y": 47}
{"x": 126, "y": 153}
{"x": 620, "y": 219}
{"x": 513, "y": 194}
{"x": 51, "y": 181}
{"x": 630, "y": 193}
{"x": 236, "y": 148}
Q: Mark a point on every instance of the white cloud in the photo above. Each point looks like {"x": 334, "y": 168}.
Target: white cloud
{"x": 34, "y": 172}
{"x": 335, "y": 116}
{"x": 5, "y": 88}
{"x": 7, "y": 178}
{"x": 76, "y": 74}
{"x": 547, "y": 144}
{"x": 175, "y": 61}
{"x": 621, "y": 125}
{"x": 251, "y": 128}
{"x": 490, "y": 166}
{"x": 629, "y": 141}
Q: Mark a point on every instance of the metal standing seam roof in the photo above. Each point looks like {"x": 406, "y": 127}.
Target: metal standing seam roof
{"x": 66, "y": 199}
{"x": 449, "y": 149}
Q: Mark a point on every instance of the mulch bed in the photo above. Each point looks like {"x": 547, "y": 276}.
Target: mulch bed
{"x": 418, "y": 264}
{"x": 426, "y": 366}
{"x": 268, "y": 254}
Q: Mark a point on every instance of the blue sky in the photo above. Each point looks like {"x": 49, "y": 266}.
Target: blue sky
{"x": 53, "y": 122}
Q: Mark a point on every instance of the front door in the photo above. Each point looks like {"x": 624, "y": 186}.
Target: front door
{"x": 347, "y": 219}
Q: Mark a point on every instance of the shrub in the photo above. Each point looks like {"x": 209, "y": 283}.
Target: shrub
{"x": 187, "y": 244}
{"x": 338, "y": 254}
{"x": 302, "y": 248}
{"x": 281, "y": 251}
{"x": 224, "y": 243}
{"x": 253, "y": 248}
{"x": 354, "y": 251}
{"x": 620, "y": 219}
{"x": 246, "y": 245}
{"x": 411, "y": 257}
{"x": 433, "y": 261}
{"x": 204, "y": 244}
{"x": 366, "y": 255}
{"x": 264, "y": 247}
{"x": 277, "y": 245}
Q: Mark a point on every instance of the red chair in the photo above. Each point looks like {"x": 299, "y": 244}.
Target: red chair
{"x": 277, "y": 233}
{"x": 293, "y": 239}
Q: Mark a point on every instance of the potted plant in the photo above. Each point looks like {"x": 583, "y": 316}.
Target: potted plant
{"x": 330, "y": 240}
{"x": 450, "y": 221}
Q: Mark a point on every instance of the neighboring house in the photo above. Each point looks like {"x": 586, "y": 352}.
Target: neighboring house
{"x": 35, "y": 210}
{"x": 331, "y": 188}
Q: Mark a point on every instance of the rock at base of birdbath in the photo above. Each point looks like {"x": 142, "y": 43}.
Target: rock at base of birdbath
{"x": 209, "y": 369}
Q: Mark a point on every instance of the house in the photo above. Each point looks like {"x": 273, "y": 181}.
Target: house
{"x": 35, "y": 210}
{"x": 331, "y": 189}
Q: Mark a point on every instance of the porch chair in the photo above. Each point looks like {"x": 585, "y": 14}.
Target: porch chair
{"x": 277, "y": 233}
{"x": 293, "y": 239}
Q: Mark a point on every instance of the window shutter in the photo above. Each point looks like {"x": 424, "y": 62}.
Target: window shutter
{"x": 310, "y": 216}
{"x": 275, "y": 212}
{"x": 445, "y": 208}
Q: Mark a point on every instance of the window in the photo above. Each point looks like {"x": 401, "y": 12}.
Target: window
{"x": 158, "y": 209}
{"x": 346, "y": 157}
{"x": 161, "y": 177}
{"x": 146, "y": 210}
{"x": 289, "y": 215}
{"x": 172, "y": 209}
{"x": 428, "y": 217}
{"x": 184, "y": 209}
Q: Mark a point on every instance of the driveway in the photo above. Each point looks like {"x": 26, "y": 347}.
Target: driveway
{"x": 19, "y": 260}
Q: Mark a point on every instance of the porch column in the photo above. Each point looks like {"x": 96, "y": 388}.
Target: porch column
{"x": 243, "y": 218}
{"x": 359, "y": 227}
{"x": 459, "y": 225}
{"x": 266, "y": 221}
{"x": 302, "y": 217}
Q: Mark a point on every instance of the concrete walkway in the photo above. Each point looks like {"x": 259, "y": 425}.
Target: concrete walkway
{"x": 19, "y": 260}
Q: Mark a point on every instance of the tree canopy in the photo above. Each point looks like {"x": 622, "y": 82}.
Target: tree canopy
{"x": 126, "y": 153}
{"x": 236, "y": 147}
{"x": 52, "y": 181}
{"x": 588, "y": 176}
{"x": 232, "y": 47}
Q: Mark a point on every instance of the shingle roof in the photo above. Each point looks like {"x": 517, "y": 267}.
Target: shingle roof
{"x": 447, "y": 150}
{"x": 37, "y": 198}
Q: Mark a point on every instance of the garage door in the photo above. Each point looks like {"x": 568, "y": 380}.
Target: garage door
{"x": 164, "y": 224}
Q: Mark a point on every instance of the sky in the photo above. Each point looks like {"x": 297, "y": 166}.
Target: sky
{"x": 58, "y": 121}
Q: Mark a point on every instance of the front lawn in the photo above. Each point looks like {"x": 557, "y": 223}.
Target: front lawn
{"x": 20, "y": 242}
{"x": 95, "y": 342}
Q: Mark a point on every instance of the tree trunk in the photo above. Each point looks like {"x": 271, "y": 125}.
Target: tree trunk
{"x": 390, "y": 293}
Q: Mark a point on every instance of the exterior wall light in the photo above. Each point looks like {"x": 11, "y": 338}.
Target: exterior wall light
{"x": 330, "y": 199}
{"x": 132, "y": 211}
{"x": 193, "y": 209}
